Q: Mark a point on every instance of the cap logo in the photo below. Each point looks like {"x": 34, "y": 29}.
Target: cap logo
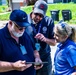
{"x": 41, "y": 6}
{"x": 24, "y": 18}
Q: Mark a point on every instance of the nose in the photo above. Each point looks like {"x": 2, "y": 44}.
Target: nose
{"x": 38, "y": 17}
{"x": 54, "y": 35}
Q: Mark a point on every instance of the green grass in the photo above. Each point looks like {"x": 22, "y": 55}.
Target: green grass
{"x": 4, "y": 17}
{"x": 70, "y": 6}
{"x": 3, "y": 8}
{"x": 57, "y": 6}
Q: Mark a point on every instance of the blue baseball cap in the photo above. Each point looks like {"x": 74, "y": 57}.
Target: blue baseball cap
{"x": 19, "y": 17}
{"x": 40, "y": 7}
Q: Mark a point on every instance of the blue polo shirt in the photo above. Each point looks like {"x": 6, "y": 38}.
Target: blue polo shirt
{"x": 65, "y": 58}
{"x": 10, "y": 51}
{"x": 46, "y": 28}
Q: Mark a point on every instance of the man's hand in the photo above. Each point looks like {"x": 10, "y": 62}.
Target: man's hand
{"x": 20, "y": 65}
{"x": 41, "y": 37}
{"x": 38, "y": 66}
{"x": 74, "y": 73}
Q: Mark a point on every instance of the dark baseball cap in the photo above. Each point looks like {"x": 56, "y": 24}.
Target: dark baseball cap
{"x": 19, "y": 17}
{"x": 40, "y": 7}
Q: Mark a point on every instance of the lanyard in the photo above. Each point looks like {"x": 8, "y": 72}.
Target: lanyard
{"x": 38, "y": 28}
{"x": 35, "y": 32}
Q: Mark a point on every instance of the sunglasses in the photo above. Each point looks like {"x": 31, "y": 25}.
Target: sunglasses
{"x": 40, "y": 15}
{"x": 63, "y": 26}
{"x": 19, "y": 28}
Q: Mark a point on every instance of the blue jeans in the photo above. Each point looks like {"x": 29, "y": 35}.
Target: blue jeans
{"x": 46, "y": 69}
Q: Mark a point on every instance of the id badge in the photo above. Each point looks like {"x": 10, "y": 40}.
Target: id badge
{"x": 23, "y": 49}
{"x": 37, "y": 46}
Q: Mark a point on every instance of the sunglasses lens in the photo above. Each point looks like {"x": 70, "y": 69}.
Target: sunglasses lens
{"x": 20, "y": 28}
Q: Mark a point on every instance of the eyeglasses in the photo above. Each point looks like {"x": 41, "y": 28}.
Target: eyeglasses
{"x": 19, "y": 28}
{"x": 40, "y": 15}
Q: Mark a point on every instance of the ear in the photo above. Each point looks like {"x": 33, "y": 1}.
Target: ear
{"x": 10, "y": 22}
{"x": 66, "y": 36}
{"x": 32, "y": 8}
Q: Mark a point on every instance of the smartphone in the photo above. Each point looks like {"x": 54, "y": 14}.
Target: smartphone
{"x": 36, "y": 63}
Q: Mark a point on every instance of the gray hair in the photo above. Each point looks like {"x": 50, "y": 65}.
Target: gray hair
{"x": 65, "y": 29}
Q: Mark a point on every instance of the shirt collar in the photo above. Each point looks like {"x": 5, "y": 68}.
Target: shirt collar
{"x": 61, "y": 45}
{"x": 29, "y": 18}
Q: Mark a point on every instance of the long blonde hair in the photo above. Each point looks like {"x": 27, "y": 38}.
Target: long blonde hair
{"x": 65, "y": 29}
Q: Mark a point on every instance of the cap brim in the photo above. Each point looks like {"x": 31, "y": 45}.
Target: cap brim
{"x": 23, "y": 24}
{"x": 36, "y": 10}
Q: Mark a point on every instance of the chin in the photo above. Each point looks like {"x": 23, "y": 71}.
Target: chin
{"x": 36, "y": 22}
{"x": 56, "y": 41}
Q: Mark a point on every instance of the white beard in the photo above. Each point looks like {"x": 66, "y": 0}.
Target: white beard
{"x": 17, "y": 34}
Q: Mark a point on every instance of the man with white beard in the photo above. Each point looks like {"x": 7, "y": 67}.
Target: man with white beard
{"x": 16, "y": 47}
